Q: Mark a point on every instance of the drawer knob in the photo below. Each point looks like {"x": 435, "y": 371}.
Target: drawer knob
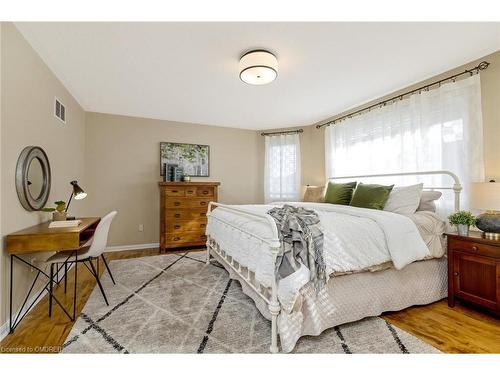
{"x": 177, "y": 215}
{"x": 203, "y": 203}
{"x": 177, "y": 226}
{"x": 177, "y": 203}
{"x": 174, "y": 191}
{"x": 177, "y": 238}
{"x": 190, "y": 192}
{"x": 474, "y": 248}
{"x": 455, "y": 273}
{"x": 205, "y": 192}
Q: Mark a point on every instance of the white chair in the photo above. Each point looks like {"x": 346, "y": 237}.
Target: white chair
{"x": 85, "y": 255}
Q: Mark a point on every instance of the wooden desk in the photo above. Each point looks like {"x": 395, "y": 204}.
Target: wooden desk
{"x": 41, "y": 238}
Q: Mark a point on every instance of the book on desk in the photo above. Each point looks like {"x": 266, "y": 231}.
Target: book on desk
{"x": 65, "y": 224}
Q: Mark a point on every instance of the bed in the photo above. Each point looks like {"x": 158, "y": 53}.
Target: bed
{"x": 377, "y": 261}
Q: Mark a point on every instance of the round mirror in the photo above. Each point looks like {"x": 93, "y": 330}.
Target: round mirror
{"x": 33, "y": 178}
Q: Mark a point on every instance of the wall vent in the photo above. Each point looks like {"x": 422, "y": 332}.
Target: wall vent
{"x": 60, "y": 110}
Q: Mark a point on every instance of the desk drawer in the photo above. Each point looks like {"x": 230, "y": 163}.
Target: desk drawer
{"x": 474, "y": 248}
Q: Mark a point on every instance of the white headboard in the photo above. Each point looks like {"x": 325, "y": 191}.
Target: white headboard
{"x": 456, "y": 187}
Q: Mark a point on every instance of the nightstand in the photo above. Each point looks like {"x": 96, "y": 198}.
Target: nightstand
{"x": 474, "y": 270}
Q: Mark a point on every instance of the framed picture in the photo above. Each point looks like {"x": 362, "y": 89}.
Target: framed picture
{"x": 193, "y": 159}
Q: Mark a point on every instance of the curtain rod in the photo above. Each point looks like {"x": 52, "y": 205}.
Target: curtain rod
{"x": 482, "y": 66}
{"x": 284, "y": 132}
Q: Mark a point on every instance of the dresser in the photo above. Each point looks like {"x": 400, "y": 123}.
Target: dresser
{"x": 474, "y": 270}
{"x": 183, "y": 212}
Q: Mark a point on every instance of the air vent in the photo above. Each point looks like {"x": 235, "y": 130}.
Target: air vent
{"x": 60, "y": 110}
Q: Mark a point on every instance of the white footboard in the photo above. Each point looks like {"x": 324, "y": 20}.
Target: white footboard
{"x": 245, "y": 275}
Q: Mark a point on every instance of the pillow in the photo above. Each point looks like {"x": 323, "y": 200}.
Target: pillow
{"x": 314, "y": 194}
{"x": 339, "y": 193}
{"x": 404, "y": 200}
{"x": 371, "y": 196}
{"x": 427, "y": 200}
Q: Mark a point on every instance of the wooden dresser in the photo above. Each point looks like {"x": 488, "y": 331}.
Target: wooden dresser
{"x": 474, "y": 270}
{"x": 183, "y": 212}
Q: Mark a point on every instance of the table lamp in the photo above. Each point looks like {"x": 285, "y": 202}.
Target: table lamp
{"x": 486, "y": 196}
{"x": 77, "y": 192}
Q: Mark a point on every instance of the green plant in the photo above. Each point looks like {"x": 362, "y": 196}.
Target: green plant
{"x": 60, "y": 207}
{"x": 462, "y": 217}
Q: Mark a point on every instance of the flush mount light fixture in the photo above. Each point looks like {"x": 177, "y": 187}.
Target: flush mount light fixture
{"x": 258, "y": 67}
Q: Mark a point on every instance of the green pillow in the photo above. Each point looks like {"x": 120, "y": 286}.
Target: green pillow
{"x": 339, "y": 193}
{"x": 371, "y": 196}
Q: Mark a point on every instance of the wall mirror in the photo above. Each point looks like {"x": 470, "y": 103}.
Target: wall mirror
{"x": 33, "y": 178}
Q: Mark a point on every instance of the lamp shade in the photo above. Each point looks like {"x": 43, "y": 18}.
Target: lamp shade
{"x": 78, "y": 192}
{"x": 258, "y": 67}
{"x": 485, "y": 196}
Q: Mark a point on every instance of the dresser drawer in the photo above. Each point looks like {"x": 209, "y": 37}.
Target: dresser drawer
{"x": 185, "y": 215}
{"x": 174, "y": 191}
{"x": 177, "y": 202}
{"x": 191, "y": 191}
{"x": 205, "y": 191}
{"x": 198, "y": 203}
{"x": 184, "y": 238}
{"x": 474, "y": 248}
{"x": 181, "y": 226}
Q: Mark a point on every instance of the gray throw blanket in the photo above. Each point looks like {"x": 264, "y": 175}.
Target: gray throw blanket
{"x": 302, "y": 243}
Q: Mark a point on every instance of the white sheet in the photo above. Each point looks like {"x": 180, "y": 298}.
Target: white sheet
{"x": 354, "y": 239}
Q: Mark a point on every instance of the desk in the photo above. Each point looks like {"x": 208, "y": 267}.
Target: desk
{"x": 40, "y": 238}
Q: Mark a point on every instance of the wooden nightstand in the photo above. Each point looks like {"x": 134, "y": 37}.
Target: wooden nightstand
{"x": 474, "y": 270}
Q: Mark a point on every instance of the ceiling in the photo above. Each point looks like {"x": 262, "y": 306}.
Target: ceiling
{"x": 188, "y": 72}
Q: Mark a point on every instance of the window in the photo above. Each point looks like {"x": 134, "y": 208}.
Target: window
{"x": 440, "y": 129}
{"x": 282, "y": 168}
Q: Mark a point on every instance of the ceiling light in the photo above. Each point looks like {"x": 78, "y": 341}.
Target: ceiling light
{"x": 258, "y": 67}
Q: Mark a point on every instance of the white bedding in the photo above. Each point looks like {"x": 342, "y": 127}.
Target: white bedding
{"x": 355, "y": 239}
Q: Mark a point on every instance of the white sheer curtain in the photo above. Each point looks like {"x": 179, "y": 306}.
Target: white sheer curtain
{"x": 435, "y": 130}
{"x": 282, "y": 168}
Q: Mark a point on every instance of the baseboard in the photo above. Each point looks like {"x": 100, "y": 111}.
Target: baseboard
{"x": 4, "y": 328}
{"x": 110, "y": 249}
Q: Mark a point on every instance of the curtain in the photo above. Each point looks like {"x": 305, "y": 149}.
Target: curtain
{"x": 282, "y": 168}
{"x": 440, "y": 129}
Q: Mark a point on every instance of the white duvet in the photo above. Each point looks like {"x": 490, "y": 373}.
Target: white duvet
{"x": 354, "y": 239}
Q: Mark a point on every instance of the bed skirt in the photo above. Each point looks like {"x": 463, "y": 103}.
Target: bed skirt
{"x": 352, "y": 297}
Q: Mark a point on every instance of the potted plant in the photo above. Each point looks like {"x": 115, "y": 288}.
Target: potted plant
{"x": 58, "y": 212}
{"x": 463, "y": 220}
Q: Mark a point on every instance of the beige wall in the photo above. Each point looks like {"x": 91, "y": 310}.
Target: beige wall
{"x": 312, "y": 140}
{"x": 122, "y": 169}
{"x": 28, "y": 89}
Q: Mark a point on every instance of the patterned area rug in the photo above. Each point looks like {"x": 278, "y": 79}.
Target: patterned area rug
{"x": 178, "y": 304}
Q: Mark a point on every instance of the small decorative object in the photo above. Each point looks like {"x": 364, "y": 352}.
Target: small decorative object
{"x": 192, "y": 159}
{"x": 164, "y": 172}
{"x": 178, "y": 174}
{"x": 486, "y": 196}
{"x": 186, "y": 178}
{"x": 170, "y": 168}
{"x": 463, "y": 220}
{"x": 59, "y": 212}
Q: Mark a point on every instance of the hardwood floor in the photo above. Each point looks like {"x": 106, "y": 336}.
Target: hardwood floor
{"x": 457, "y": 330}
